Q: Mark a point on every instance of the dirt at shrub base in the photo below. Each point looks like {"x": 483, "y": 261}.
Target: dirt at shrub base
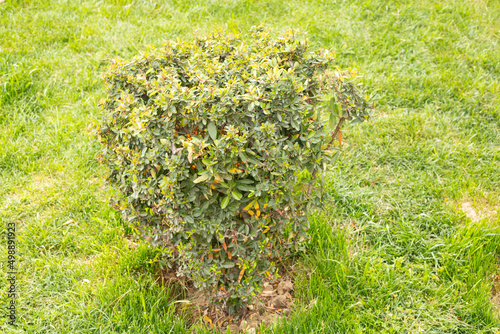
{"x": 272, "y": 304}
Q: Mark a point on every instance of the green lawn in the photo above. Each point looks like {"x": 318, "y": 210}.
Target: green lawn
{"x": 392, "y": 253}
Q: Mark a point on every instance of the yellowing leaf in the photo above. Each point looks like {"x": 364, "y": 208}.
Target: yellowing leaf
{"x": 202, "y": 178}
{"x": 256, "y": 206}
{"x": 71, "y": 221}
{"x": 251, "y": 213}
{"x": 217, "y": 178}
{"x": 265, "y": 205}
{"x": 235, "y": 171}
{"x": 241, "y": 274}
{"x": 248, "y": 206}
{"x": 207, "y": 319}
{"x": 266, "y": 230}
{"x": 257, "y": 213}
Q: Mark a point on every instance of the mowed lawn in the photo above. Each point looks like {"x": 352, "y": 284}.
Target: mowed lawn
{"x": 392, "y": 252}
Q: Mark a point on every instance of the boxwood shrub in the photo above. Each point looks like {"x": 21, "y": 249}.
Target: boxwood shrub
{"x": 215, "y": 145}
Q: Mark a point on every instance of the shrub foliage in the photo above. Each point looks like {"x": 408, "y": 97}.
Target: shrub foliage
{"x": 214, "y": 146}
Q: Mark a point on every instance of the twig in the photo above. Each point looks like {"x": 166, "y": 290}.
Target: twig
{"x": 337, "y": 128}
{"x": 334, "y": 135}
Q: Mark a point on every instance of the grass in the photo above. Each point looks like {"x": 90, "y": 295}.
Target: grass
{"x": 393, "y": 252}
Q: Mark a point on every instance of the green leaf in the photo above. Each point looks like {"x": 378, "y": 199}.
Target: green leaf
{"x": 250, "y": 151}
{"x": 332, "y": 120}
{"x": 237, "y": 196}
{"x": 245, "y": 187}
{"x": 224, "y": 202}
{"x": 253, "y": 161}
{"x": 357, "y": 120}
{"x": 212, "y": 130}
{"x": 243, "y": 157}
{"x": 335, "y": 107}
{"x": 338, "y": 109}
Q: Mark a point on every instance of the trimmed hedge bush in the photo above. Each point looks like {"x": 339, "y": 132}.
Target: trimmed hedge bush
{"x": 214, "y": 146}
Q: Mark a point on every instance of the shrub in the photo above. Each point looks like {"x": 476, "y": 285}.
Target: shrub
{"x": 214, "y": 146}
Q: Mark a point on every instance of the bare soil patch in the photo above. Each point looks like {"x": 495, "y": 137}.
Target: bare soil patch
{"x": 272, "y": 304}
